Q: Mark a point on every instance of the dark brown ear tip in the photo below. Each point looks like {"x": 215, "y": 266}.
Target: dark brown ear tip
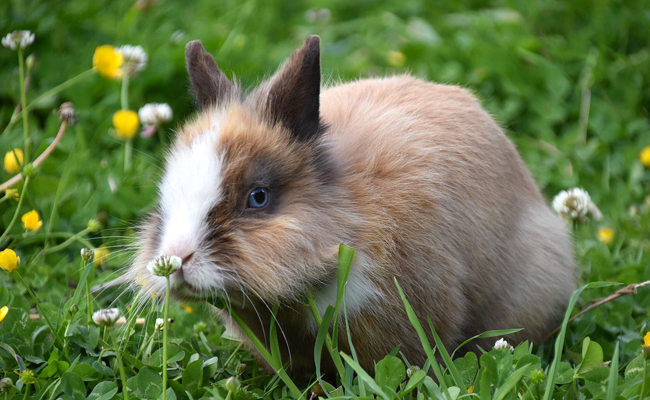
{"x": 193, "y": 47}
{"x": 312, "y": 42}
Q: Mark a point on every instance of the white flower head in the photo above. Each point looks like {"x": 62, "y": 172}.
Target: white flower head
{"x": 160, "y": 323}
{"x": 135, "y": 59}
{"x": 106, "y": 316}
{"x": 164, "y": 265}
{"x": 18, "y": 39}
{"x": 502, "y": 344}
{"x": 152, "y": 115}
{"x": 572, "y": 203}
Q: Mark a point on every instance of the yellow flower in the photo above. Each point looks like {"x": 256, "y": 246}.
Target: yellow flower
{"x": 32, "y": 221}
{"x": 14, "y": 160}
{"x": 396, "y": 58}
{"x": 605, "y": 234}
{"x": 470, "y": 389}
{"x": 108, "y": 61}
{"x": 188, "y": 309}
{"x": 9, "y": 261}
{"x": 3, "y": 312}
{"x": 100, "y": 255}
{"x": 126, "y": 123}
{"x": 646, "y": 340}
{"x": 644, "y": 156}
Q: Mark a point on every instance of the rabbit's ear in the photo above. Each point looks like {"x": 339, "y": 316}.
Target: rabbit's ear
{"x": 210, "y": 86}
{"x": 293, "y": 96}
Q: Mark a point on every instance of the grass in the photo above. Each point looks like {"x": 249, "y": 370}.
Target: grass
{"x": 567, "y": 80}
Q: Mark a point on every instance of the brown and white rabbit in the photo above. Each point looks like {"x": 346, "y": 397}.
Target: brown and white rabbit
{"x": 260, "y": 189}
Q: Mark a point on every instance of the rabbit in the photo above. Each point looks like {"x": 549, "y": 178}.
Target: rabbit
{"x": 261, "y": 187}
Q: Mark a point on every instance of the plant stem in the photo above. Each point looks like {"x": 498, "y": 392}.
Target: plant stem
{"x": 13, "y": 219}
{"x": 120, "y": 364}
{"x": 26, "y": 392}
{"x": 38, "y": 306}
{"x": 165, "y": 329}
{"x": 334, "y": 353}
{"x": 49, "y": 93}
{"x": 68, "y": 242}
{"x": 124, "y": 99}
{"x": 23, "y": 102}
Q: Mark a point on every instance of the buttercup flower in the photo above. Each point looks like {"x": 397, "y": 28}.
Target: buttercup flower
{"x": 188, "y": 309}
{"x": 12, "y": 194}
{"x": 14, "y": 160}
{"x": 100, "y": 255}
{"x": 32, "y": 221}
{"x": 502, "y": 344}
{"x": 644, "y": 156}
{"x": 126, "y": 123}
{"x": 107, "y": 61}
{"x": 18, "y": 40}
{"x": 605, "y": 234}
{"x": 135, "y": 59}
{"x": 572, "y": 203}
{"x": 9, "y": 261}
{"x": 106, "y": 316}
{"x": 28, "y": 377}
{"x": 3, "y": 312}
{"x": 152, "y": 115}
{"x": 646, "y": 344}
{"x": 164, "y": 265}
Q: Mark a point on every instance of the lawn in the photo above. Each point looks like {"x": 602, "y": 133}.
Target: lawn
{"x": 568, "y": 81}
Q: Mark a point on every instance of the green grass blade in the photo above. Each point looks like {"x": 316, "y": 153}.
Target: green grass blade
{"x": 423, "y": 339}
{"x": 612, "y": 384}
{"x": 559, "y": 341}
{"x": 274, "y": 344}
{"x": 323, "y": 330}
{"x": 363, "y": 375}
{"x": 511, "y": 382}
{"x": 455, "y": 375}
{"x": 343, "y": 266}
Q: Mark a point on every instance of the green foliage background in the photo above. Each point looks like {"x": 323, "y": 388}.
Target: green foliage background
{"x": 568, "y": 80}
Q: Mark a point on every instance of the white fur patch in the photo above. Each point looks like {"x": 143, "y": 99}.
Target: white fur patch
{"x": 360, "y": 292}
{"x": 191, "y": 187}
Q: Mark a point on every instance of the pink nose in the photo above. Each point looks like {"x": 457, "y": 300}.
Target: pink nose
{"x": 180, "y": 250}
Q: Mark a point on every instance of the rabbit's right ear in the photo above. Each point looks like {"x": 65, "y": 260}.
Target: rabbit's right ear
{"x": 210, "y": 85}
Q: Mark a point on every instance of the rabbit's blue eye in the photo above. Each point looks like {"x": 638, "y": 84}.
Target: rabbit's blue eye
{"x": 258, "y": 198}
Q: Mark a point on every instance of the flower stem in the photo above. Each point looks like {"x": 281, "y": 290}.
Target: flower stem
{"x": 124, "y": 99}
{"x": 13, "y": 219}
{"x": 165, "y": 330}
{"x": 23, "y": 101}
{"x": 26, "y": 392}
{"x": 118, "y": 354}
{"x": 38, "y": 306}
{"x": 68, "y": 242}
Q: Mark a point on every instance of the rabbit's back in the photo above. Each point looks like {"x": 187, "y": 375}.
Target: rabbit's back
{"x": 453, "y": 213}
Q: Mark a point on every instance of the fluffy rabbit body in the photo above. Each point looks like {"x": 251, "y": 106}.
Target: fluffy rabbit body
{"x": 260, "y": 189}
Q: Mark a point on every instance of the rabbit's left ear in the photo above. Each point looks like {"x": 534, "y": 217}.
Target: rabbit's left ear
{"x": 293, "y": 98}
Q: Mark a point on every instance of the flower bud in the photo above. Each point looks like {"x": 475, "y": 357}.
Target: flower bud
{"x": 240, "y": 369}
{"x": 200, "y": 327}
{"x": 30, "y": 62}
{"x": 106, "y": 317}
{"x": 232, "y": 384}
{"x": 93, "y": 225}
{"x": 28, "y": 377}
{"x": 13, "y": 194}
{"x": 73, "y": 309}
{"x": 538, "y": 376}
{"x": 87, "y": 255}
{"x": 160, "y": 324}
{"x": 164, "y": 265}
{"x": 6, "y": 384}
{"x": 28, "y": 170}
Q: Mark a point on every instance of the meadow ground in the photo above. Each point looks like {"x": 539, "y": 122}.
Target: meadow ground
{"x": 568, "y": 81}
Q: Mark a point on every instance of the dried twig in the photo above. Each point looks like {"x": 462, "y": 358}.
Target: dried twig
{"x": 66, "y": 113}
{"x": 629, "y": 289}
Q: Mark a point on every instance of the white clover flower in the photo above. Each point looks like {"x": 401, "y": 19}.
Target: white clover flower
{"x": 106, "y": 316}
{"x": 164, "y": 265}
{"x": 135, "y": 59}
{"x": 572, "y": 204}
{"x": 152, "y": 115}
{"x": 502, "y": 344}
{"x": 18, "y": 39}
{"x": 160, "y": 323}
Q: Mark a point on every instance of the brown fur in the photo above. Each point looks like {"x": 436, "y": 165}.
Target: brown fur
{"x": 416, "y": 177}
